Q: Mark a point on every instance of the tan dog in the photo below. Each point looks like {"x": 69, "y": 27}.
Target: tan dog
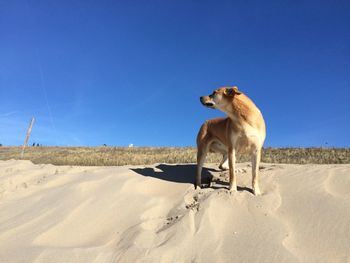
{"x": 243, "y": 131}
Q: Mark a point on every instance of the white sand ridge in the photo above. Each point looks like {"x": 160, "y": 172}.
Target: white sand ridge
{"x": 153, "y": 214}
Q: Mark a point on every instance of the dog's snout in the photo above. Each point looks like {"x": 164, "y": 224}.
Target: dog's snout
{"x": 207, "y": 101}
{"x": 203, "y": 100}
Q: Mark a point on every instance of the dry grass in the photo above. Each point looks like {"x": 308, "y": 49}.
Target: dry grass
{"x": 116, "y": 156}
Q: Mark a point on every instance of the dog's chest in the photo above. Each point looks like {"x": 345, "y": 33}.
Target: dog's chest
{"x": 245, "y": 139}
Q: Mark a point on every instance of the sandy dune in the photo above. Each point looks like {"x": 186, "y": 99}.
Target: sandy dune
{"x": 152, "y": 214}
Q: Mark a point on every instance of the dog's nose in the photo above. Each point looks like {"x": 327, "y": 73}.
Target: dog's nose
{"x": 201, "y": 99}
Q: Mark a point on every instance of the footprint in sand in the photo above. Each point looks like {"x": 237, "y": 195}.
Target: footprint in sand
{"x": 191, "y": 201}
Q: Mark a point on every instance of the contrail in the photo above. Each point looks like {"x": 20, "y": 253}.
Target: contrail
{"x": 7, "y": 114}
{"x": 45, "y": 95}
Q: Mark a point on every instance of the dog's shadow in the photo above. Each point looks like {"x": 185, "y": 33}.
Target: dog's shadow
{"x": 185, "y": 173}
{"x": 179, "y": 173}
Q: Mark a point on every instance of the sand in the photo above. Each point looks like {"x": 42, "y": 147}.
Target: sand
{"x": 153, "y": 214}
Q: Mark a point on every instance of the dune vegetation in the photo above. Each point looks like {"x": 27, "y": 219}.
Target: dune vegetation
{"x": 117, "y": 156}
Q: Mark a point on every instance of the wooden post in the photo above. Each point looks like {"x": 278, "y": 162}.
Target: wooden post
{"x": 27, "y": 136}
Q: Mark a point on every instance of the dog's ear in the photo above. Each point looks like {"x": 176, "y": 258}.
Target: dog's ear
{"x": 232, "y": 91}
{"x": 235, "y": 88}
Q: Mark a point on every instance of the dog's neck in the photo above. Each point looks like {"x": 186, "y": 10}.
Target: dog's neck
{"x": 242, "y": 110}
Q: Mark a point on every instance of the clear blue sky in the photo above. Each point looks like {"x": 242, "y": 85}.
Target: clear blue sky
{"x": 121, "y": 72}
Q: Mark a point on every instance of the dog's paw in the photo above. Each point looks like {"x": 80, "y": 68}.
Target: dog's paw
{"x": 197, "y": 187}
{"x": 233, "y": 189}
{"x": 223, "y": 167}
{"x": 256, "y": 191}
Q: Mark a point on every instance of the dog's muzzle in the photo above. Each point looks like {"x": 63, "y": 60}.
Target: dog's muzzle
{"x": 209, "y": 104}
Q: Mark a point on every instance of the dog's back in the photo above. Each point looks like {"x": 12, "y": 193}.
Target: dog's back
{"x": 213, "y": 128}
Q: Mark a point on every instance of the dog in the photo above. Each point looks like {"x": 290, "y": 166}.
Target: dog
{"x": 243, "y": 131}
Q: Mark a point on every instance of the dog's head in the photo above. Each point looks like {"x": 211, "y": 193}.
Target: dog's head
{"x": 220, "y": 98}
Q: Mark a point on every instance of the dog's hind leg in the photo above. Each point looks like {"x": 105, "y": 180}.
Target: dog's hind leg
{"x": 255, "y": 171}
{"x": 201, "y": 155}
{"x": 219, "y": 147}
{"x": 224, "y": 163}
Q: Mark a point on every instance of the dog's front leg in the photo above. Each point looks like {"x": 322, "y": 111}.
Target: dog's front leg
{"x": 255, "y": 171}
{"x": 232, "y": 164}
